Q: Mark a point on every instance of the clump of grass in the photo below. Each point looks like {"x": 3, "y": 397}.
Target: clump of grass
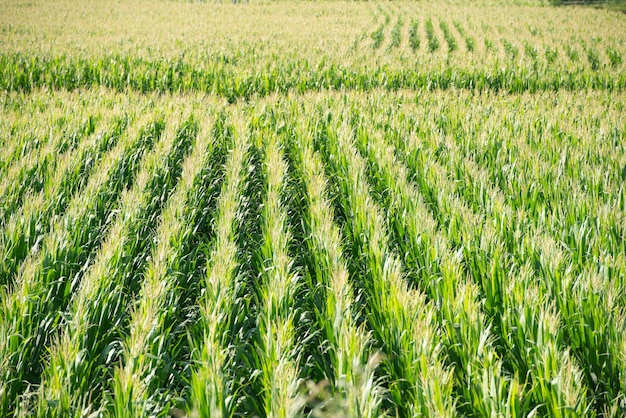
{"x": 378, "y": 37}
{"x": 433, "y": 42}
{"x": 449, "y": 37}
{"x": 396, "y": 34}
{"x": 414, "y": 36}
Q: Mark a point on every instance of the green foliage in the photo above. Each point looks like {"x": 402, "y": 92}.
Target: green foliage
{"x": 615, "y": 57}
{"x": 414, "y": 36}
{"x": 396, "y": 34}
{"x": 378, "y": 37}
{"x": 449, "y": 37}
{"x": 288, "y": 219}
{"x": 433, "y": 42}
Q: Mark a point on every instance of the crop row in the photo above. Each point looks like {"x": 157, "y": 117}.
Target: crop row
{"x": 24, "y": 73}
{"x": 441, "y": 35}
{"x": 257, "y": 50}
{"x": 45, "y": 283}
{"x": 395, "y": 253}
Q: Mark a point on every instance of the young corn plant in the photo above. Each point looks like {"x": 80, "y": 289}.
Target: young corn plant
{"x": 551, "y": 54}
{"x": 571, "y": 51}
{"x": 593, "y": 56}
{"x": 386, "y": 15}
{"x": 433, "y": 42}
{"x": 360, "y": 37}
{"x": 242, "y": 371}
{"x": 378, "y": 37}
{"x": 511, "y": 50}
{"x": 448, "y": 36}
{"x": 469, "y": 41}
{"x": 532, "y": 53}
{"x": 396, "y": 34}
{"x": 489, "y": 45}
{"x": 615, "y": 57}
{"x": 81, "y": 357}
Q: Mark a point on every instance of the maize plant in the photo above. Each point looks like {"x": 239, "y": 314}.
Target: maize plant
{"x": 321, "y": 209}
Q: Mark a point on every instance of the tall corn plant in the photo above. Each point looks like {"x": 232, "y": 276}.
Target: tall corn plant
{"x": 29, "y": 174}
{"x": 25, "y": 229}
{"x": 484, "y": 389}
{"x": 81, "y": 356}
{"x": 558, "y": 270}
{"x": 278, "y": 355}
{"x": 137, "y": 388}
{"x": 212, "y": 390}
{"x": 19, "y": 137}
{"x": 529, "y": 313}
{"x": 31, "y": 312}
{"x": 355, "y": 390}
{"x": 403, "y": 323}
{"x": 33, "y": 152}
{"x": 556, "y": 385}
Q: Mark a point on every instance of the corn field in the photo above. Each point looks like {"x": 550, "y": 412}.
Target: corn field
{"x": 323, "y": 209}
